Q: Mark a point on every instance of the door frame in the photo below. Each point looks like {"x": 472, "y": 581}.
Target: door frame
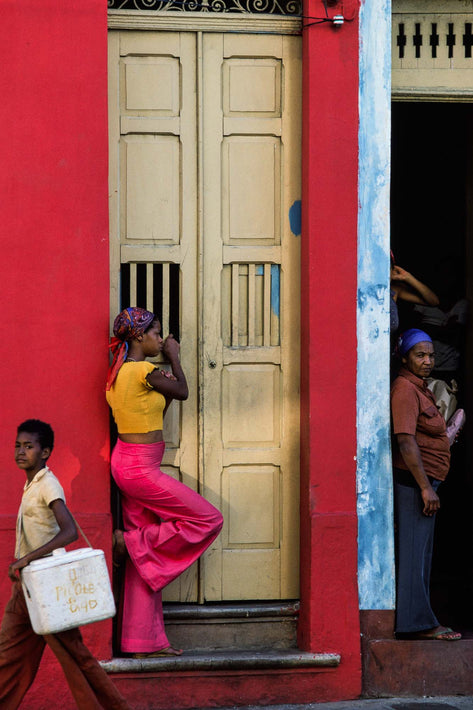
{"x": 203, "y": 22}
{"x": 229, "y": 25}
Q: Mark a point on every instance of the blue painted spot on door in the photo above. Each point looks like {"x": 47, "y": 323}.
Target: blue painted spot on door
{"x": 275, "y": 289}
{"x": 295, "y": 218}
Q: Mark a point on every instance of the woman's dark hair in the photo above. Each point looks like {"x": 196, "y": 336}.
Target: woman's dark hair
{"x": 42, "y": 430}
{"x": 153, "y": 322}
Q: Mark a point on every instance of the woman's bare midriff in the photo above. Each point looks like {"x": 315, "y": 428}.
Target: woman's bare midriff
{"x": 148, "y": 437}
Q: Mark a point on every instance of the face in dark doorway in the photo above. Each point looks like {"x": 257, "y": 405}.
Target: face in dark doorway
{"x": 420, "y": 359}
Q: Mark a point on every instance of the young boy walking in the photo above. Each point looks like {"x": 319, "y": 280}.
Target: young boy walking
{"x": 44, "y": 524}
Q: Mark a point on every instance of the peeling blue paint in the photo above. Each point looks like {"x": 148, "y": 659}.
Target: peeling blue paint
{"x": 295, "y": 218}
{"x": 259, "y": 270}
{"x": 374, "y": 472}
{"x": 371, "y": 291}
{"x": 275, "y": 298}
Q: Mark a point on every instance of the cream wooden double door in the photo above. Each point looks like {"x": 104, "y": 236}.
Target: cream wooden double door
{"x": 204, "y": 173}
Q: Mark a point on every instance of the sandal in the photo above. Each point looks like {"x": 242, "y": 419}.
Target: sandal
{"x": 443, "y": 633}
{"x": 168, "y": 651}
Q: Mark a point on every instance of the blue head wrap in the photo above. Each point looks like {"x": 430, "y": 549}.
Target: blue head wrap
{"x": 410, "y": 338}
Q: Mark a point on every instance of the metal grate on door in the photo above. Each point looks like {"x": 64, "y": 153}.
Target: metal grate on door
{"x": 155, "y": 287}
{"x": 250, "y": 304}
{"x": 274, "y": 7}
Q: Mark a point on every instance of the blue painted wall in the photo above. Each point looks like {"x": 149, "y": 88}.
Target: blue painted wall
{"x": 375, "y": 526}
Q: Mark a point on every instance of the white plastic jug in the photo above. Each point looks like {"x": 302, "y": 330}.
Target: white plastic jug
{"x": 67, "y": 589}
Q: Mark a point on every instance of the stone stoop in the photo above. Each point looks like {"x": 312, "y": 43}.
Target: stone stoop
{"x": 393, "y": 667}
{"x": 240, "y": 627}
{"x": 224, "y": 678}
{"x": 224, "y": 661}
{"x": 234, "y": 654}
{"x": 417, "y": 668}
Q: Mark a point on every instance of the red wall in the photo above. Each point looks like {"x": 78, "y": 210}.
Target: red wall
{"x": 54, "y": 276}
{"x": 54, "y": 259}
{"x": 329, "y": 618}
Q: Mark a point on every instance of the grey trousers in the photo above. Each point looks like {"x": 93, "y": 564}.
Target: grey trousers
{"x": 414, "y": 546}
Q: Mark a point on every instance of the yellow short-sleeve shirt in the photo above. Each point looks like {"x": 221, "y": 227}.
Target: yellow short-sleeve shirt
{"x": 137, "y": 408}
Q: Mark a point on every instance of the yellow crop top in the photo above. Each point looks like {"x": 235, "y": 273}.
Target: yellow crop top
{"x": 137, "y": 407}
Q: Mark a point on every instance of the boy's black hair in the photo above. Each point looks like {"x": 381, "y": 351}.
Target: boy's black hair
{"x": 42, "y": 430}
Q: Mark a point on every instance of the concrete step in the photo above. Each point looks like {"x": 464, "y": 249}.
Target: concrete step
{"x": 224, "y": 678}
{"x": 435, "y": 667}
{"x": 220, "y": 627}
{"x": 230, "y": 660}
{"x": 233, "y": 654}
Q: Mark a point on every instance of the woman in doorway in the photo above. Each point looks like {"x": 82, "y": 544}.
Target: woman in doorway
{"x": 167, "y": 526}
{"x": 421, "y": 460}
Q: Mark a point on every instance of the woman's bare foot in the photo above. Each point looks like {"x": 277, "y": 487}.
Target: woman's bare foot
{"x": 120, "y": 553}
{"x": 442, "y": 633}
{"x": 168, "y": 651}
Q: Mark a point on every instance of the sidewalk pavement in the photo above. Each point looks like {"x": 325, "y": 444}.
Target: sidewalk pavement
{"x": 437, "y": 703}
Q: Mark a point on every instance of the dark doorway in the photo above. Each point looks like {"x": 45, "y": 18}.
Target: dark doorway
{"x": 432, "y": 237}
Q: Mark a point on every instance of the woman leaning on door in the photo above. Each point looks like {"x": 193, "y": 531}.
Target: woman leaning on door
{"x": 167, "y": 526}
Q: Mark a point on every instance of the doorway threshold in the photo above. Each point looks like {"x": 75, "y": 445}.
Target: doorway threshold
{"x": 233, "y": 626}
{"x": 229, "y": 636}
{"x": 234, "y": 654}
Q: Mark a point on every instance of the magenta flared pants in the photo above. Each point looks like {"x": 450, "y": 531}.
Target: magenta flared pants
{"x": 167, "y": 527}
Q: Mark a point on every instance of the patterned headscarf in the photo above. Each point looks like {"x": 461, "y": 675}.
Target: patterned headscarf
{"x": 129, "y": 324}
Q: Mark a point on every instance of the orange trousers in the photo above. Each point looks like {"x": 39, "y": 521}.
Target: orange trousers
{"x": 20, "y": 654}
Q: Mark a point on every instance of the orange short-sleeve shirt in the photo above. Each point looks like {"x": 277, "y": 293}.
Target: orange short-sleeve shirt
{"x": 415, "y": 412}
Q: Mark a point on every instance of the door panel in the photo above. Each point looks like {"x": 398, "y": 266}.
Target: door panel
{"x": 250, "y": 313}
{"x": 153, "y": 215}
{"x": 204, "y": 168}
